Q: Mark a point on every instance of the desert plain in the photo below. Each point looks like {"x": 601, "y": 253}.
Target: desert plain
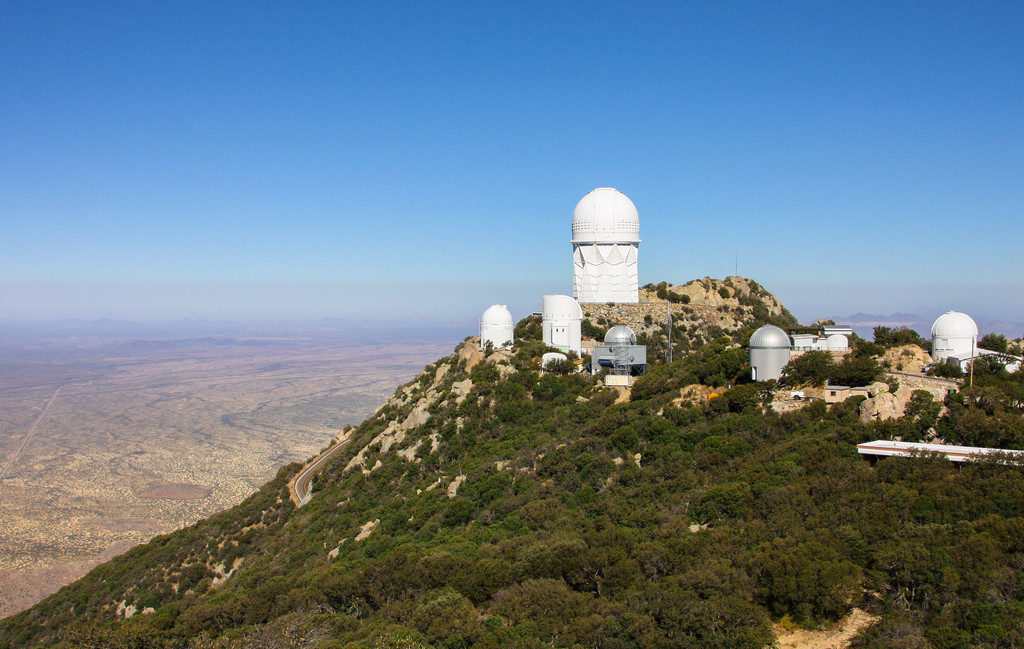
{"x": 109, "y": 436}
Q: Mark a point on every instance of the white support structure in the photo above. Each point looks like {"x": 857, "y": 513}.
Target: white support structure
{"x": 605, "y": 248}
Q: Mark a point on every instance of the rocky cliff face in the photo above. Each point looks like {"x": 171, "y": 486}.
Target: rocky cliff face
{"x": 701, "y": 310}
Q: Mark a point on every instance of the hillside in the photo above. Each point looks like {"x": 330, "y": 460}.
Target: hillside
{"x": 702, "y": 310}
{"x": 489, "y": 505}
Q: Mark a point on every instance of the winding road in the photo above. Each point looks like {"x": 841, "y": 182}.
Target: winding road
{"x": 299, "y": 486}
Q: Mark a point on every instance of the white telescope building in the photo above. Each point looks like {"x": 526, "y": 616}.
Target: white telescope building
{"x": 769, "y": 353}
{"x": 605, "y": 246}
{"x": 954, "y": 334}
{"x": 562, "y": 323}
{"x": 496, "y": 326}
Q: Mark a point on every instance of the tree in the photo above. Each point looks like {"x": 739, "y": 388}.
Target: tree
{"x": 855, "y": 370}
{"x": 922, "y": 413}
{"x": 994, "y": 342}
{"x": 889, "y": 337}
{"x": 810, "y": 368}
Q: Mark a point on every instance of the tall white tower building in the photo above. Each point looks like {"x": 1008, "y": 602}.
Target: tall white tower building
{"x": 605, "y": 245}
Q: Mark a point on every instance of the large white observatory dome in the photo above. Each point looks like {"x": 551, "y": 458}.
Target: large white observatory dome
{"x": 770, "y": 337}
{"x": 620, "y": 335}
{"x": 605, "y": 215}
{"x": 954, "y": 334}
{"x": 496, "y": 326}
{"x": 953, "y": 324}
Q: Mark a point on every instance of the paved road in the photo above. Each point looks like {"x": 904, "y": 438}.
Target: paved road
{"x": 927, "y": 377}
{"x": 300, "y": 485}
{"x": 28, "y": 437}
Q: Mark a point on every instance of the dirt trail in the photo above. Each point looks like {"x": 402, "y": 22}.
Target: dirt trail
{"x": 28, "y": 437}
{"x": 837, "y": 636}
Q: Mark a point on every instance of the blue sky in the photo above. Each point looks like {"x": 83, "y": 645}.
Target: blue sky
{"x": 237, "y": 160}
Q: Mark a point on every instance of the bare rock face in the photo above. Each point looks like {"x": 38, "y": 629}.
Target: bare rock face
{"x": 471, "y": 354}
{"x": 906, "y": 358}
{"x": 877, "y": 388}
{"x": 882, "y": 406}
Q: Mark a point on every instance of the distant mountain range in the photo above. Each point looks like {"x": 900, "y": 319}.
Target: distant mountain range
{"x": 864, "y": 323}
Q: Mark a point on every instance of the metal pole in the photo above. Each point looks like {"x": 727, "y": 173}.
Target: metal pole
{"x": 668, "y": 355}
{"x": 974, "y": 345}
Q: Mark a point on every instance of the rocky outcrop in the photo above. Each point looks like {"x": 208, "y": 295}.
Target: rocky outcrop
{"x": 470, "y": 354}
{"x": 882, "y": 406}
{"x": 713, "y": 306}
{"x": 906, "y": 358}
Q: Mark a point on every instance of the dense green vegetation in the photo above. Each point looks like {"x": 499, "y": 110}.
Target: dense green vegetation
{"x": 819, "y": 367}
{"x": 894, "y": 337}
{"x": 589, "y": 521}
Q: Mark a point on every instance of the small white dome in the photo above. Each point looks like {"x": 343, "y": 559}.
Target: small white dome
{"x": 837, "y": 343}
{"x": 551, "y": 357}
{"x": 770, "y": 337}
{"x": 954, "y": 324}
{"x": 620, "y": 335}
{"x": 496, "y": 315}
{"x": 605, "y": 215}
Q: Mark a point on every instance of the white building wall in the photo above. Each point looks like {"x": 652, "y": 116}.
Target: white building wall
{"x": 944, "y": 347}
{"x": 767, "y": 364}
{"x": 562, "y": 323}
{"x": 606, "y": 272}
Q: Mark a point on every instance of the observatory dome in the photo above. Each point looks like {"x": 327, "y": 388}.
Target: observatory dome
{"x": 770, "y": 337}
{"x": 605, "y": 215}
{"x": 954, "y": 324}
{"x": 496, "y": 326}
{"x": 496, "y": 315}
{"x": 620, "y": 335}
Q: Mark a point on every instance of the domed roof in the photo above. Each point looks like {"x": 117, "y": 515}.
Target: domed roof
{"x": 770, "y": 337}
{"x": 496, "y": 315}
{"x": 953, "y": 324}
{"x": 560, "y": 307}
{"x": 620, "y": 335}
{"x": 605, "y": 215}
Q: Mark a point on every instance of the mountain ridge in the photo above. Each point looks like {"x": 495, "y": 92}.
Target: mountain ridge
{"x": 489, "y": 504}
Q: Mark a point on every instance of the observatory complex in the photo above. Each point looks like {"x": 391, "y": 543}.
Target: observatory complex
{"x": 605, "y": 239}
{"x": 605, "y": 244}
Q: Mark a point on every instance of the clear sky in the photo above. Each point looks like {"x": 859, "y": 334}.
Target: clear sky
{"x": 251, "y": 159}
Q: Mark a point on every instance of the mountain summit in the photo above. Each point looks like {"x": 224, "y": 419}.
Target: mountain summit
{"x": 491, "y": 504}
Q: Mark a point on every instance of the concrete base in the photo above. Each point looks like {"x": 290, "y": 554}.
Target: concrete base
{"x": 621, "y": 380}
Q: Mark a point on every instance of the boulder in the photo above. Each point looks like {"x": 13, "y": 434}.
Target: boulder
{"x": 881, "y": 407}
{"x": 877, "y": 388}
{"x": 471, "y": 354}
